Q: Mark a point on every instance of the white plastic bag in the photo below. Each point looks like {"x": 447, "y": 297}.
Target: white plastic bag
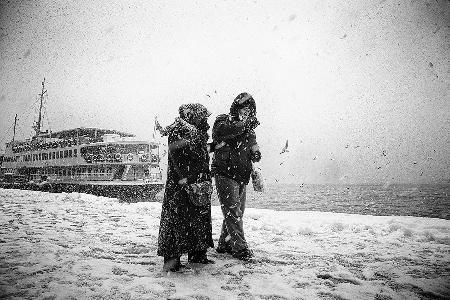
{"x": 257, "y": 179}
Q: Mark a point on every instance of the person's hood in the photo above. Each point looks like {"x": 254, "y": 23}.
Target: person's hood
{"x": 241, "y": 101}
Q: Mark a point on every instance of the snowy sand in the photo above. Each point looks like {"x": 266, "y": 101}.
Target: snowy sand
{"x": 77, "y": 246}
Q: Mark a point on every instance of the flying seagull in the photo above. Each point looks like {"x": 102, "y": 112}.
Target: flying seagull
{"x": 285, "y": 148}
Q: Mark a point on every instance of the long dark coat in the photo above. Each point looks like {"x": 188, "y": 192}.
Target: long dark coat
{"x": 184, "y": 227}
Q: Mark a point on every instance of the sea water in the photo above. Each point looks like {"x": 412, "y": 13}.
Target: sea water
{"x": 430, "y": 200}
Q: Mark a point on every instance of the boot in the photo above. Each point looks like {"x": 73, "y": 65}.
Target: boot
{"x": 224, "y": 249}
{"x": 199, "y": 257}
{"x": 172, "y": 264}
{"x": 244, "y": 254}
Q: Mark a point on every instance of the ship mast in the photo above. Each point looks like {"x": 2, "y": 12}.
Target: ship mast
{"x": 14, "y": 132}
{"x": 37, "y": 126}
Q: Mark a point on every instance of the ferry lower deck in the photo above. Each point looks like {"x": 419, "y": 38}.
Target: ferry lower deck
{"x": 131, "y": 192}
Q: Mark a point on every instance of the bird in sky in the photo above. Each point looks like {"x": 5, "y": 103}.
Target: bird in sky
{"x": 285, "y": 148}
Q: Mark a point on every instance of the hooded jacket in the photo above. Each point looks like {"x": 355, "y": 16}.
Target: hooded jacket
{"x": 234, "y": 159}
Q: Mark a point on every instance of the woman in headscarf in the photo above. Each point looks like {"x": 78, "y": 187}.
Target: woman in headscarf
{"x": 184, "y": 227}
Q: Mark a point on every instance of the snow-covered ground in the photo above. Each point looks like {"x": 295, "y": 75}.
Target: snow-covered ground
{"x": 77, "y": 246}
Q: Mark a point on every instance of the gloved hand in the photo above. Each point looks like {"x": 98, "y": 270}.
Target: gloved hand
{"x": 158, "y": 126}
{"x": 182, "y": 181}
{"x": 251, "y": 123}
{"x": 256, "y": 156}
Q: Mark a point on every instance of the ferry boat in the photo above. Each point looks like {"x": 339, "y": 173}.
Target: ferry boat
{"x": 97, "y": 161}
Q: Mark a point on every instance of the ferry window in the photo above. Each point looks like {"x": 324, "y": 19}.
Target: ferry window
{"x": 49, "y": 155}
{"x": 53, "y": 155}
{"x": 61, "y": 154}
{"x": 74, "y": 152}
{"x": 57, "y": 155}
{"x": 70, "y": 153}
{"x": 40, "y": 156}
{"x": 66, "y": 153}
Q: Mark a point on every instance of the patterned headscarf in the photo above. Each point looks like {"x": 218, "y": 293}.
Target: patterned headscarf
{"x": 193, "y": 112}
{"x": 194, "y": 118}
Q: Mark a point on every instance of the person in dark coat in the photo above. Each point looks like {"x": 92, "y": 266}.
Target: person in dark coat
{"x": 236, "y": 148}
{"x": 184, "y": 227}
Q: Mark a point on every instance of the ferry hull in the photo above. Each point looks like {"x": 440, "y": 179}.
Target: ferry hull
{"x": 133, "y": 192}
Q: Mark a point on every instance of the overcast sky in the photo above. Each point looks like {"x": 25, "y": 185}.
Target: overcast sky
{"x": 361, "y": 89}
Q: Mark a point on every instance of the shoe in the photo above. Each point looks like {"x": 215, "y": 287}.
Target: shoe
{"x": 177, "y": 267}
{"x": 204, "y": 261}
{"x": 172, "y": 265}
{"x": 244, "y": 254}
{"x": 225, "y": 249}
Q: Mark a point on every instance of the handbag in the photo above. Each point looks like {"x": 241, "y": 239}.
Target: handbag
{"x": 199, "y": 193}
